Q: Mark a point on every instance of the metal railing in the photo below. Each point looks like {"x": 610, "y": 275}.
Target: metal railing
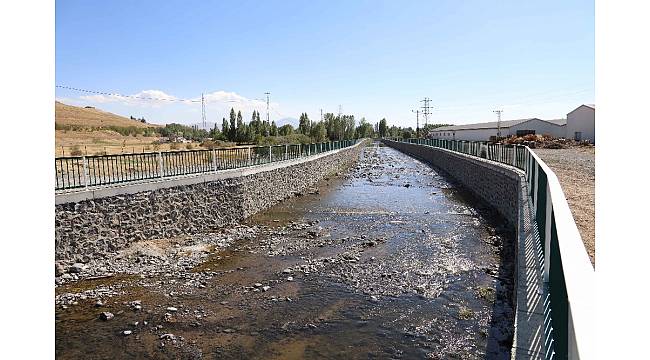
{"x": 568, "y": 274}
{"x": 74, "y": 172}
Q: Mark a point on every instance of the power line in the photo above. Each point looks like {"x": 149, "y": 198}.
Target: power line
{"x": 127, "y": 96}
{"x": 173, "y": 99}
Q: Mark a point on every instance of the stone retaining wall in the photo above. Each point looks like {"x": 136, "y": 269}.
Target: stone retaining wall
{"x": 90, "y": 225}
{"x": 496, "y": 184}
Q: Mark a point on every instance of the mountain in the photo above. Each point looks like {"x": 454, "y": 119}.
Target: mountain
{"x": 288, "y": 120}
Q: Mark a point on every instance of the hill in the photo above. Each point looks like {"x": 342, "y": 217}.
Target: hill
{"x": 68, "y": 115}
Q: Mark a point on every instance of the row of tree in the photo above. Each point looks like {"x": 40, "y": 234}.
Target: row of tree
{"x": 331, "y": 128}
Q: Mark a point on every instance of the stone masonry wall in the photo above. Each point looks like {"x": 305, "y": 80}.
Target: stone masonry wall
{"x": 496, "y": 184}
{"x": 93, "y": 228}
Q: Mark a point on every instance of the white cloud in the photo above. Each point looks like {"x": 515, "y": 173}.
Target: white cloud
{"x": 161, "y": 105}
{"x": 146, "y": 98}
{"x": 158, "y": 98}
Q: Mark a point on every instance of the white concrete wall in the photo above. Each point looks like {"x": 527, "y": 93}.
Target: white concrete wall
{"x": 582, "y": 119}
{"x": 540, "y": 127}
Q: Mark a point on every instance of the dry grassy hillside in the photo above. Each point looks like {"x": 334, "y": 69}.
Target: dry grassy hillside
{"x": 91, "y": 117}
{"x": 89, "y": 131}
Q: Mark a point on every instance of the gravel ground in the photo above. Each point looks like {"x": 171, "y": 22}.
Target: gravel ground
{"x": 576, "y": 169}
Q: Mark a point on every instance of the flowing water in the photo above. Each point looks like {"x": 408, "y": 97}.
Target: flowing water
{"x": 389, "y": 260}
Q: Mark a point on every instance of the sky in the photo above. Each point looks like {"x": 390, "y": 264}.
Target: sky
{"x": 374, "y": 59}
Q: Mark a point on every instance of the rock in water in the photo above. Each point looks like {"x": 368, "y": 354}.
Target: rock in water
{"x": 106, "y": 316}
{"x": 59, "y": 269}
{"x": 77, "y": 268}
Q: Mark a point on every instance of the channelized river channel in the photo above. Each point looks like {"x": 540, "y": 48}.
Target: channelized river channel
{"x": 388, "y": 260}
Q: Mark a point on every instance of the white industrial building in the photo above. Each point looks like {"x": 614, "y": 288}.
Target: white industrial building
{"x": 580, "y": 123}
{"x": 484, "y": 131}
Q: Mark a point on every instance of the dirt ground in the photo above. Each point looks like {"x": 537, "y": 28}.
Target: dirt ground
{"x": 99, "y": 141}
{"x": 576, "y": 170}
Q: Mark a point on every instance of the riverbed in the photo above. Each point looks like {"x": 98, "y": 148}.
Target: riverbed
{"x": 387, "y": 260}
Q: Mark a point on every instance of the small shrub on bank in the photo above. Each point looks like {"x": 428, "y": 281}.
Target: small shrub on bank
{"x": 76, "y": 151}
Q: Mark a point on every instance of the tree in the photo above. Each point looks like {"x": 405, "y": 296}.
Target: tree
{"x": 215, "y": 133}
{"x": 305, "y": 125}
{"x": 224, "y": 128}
{"x": 240, "y": 133}
{"x": 274, "y": 129}
{"x": 349, "y": 127}
{"x": 285, "y": 130}
{"x": 364, "y": 130}
{"x": 232, "y": 133}
{"x": 254, "y": 126}
{"x": 383, "y": 127}
{"x": 318, "y": 132}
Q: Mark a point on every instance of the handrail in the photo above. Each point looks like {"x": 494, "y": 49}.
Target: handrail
{"x": 579, "y": 276}
{"x": 73, "y": 172}
{"x": 567, "y": 270}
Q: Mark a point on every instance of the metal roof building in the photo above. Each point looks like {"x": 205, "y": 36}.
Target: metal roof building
{"x": 519, "y": 127}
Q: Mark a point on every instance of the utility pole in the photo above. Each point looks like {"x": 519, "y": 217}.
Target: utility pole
{"x": 341, "y": 125}
{"x": 498, "y": 112}
{"x": 426, "y": 110}
{"x": 321, "y": 115}
{"x": 203, "y": 110}
{"x": 417, "y": 123}
{"x": 268, "y": 122}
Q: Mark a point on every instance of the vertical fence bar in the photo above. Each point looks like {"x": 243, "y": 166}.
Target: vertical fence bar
{"x": 85, "y": 175}
{"x": 161, "y": 170}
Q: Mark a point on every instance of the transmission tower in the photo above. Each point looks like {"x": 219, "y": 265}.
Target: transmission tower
{"x": 498, "y": 112}
{"x": 203, "y": 110}
{"x": 426, "y": 110}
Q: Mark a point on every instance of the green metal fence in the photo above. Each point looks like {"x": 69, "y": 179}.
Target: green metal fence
{"x": 74, "y": 172}
{"x": 567, "y": 270}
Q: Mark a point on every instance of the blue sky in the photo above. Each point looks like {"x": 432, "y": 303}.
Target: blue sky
{"x": 374, "y": 58}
